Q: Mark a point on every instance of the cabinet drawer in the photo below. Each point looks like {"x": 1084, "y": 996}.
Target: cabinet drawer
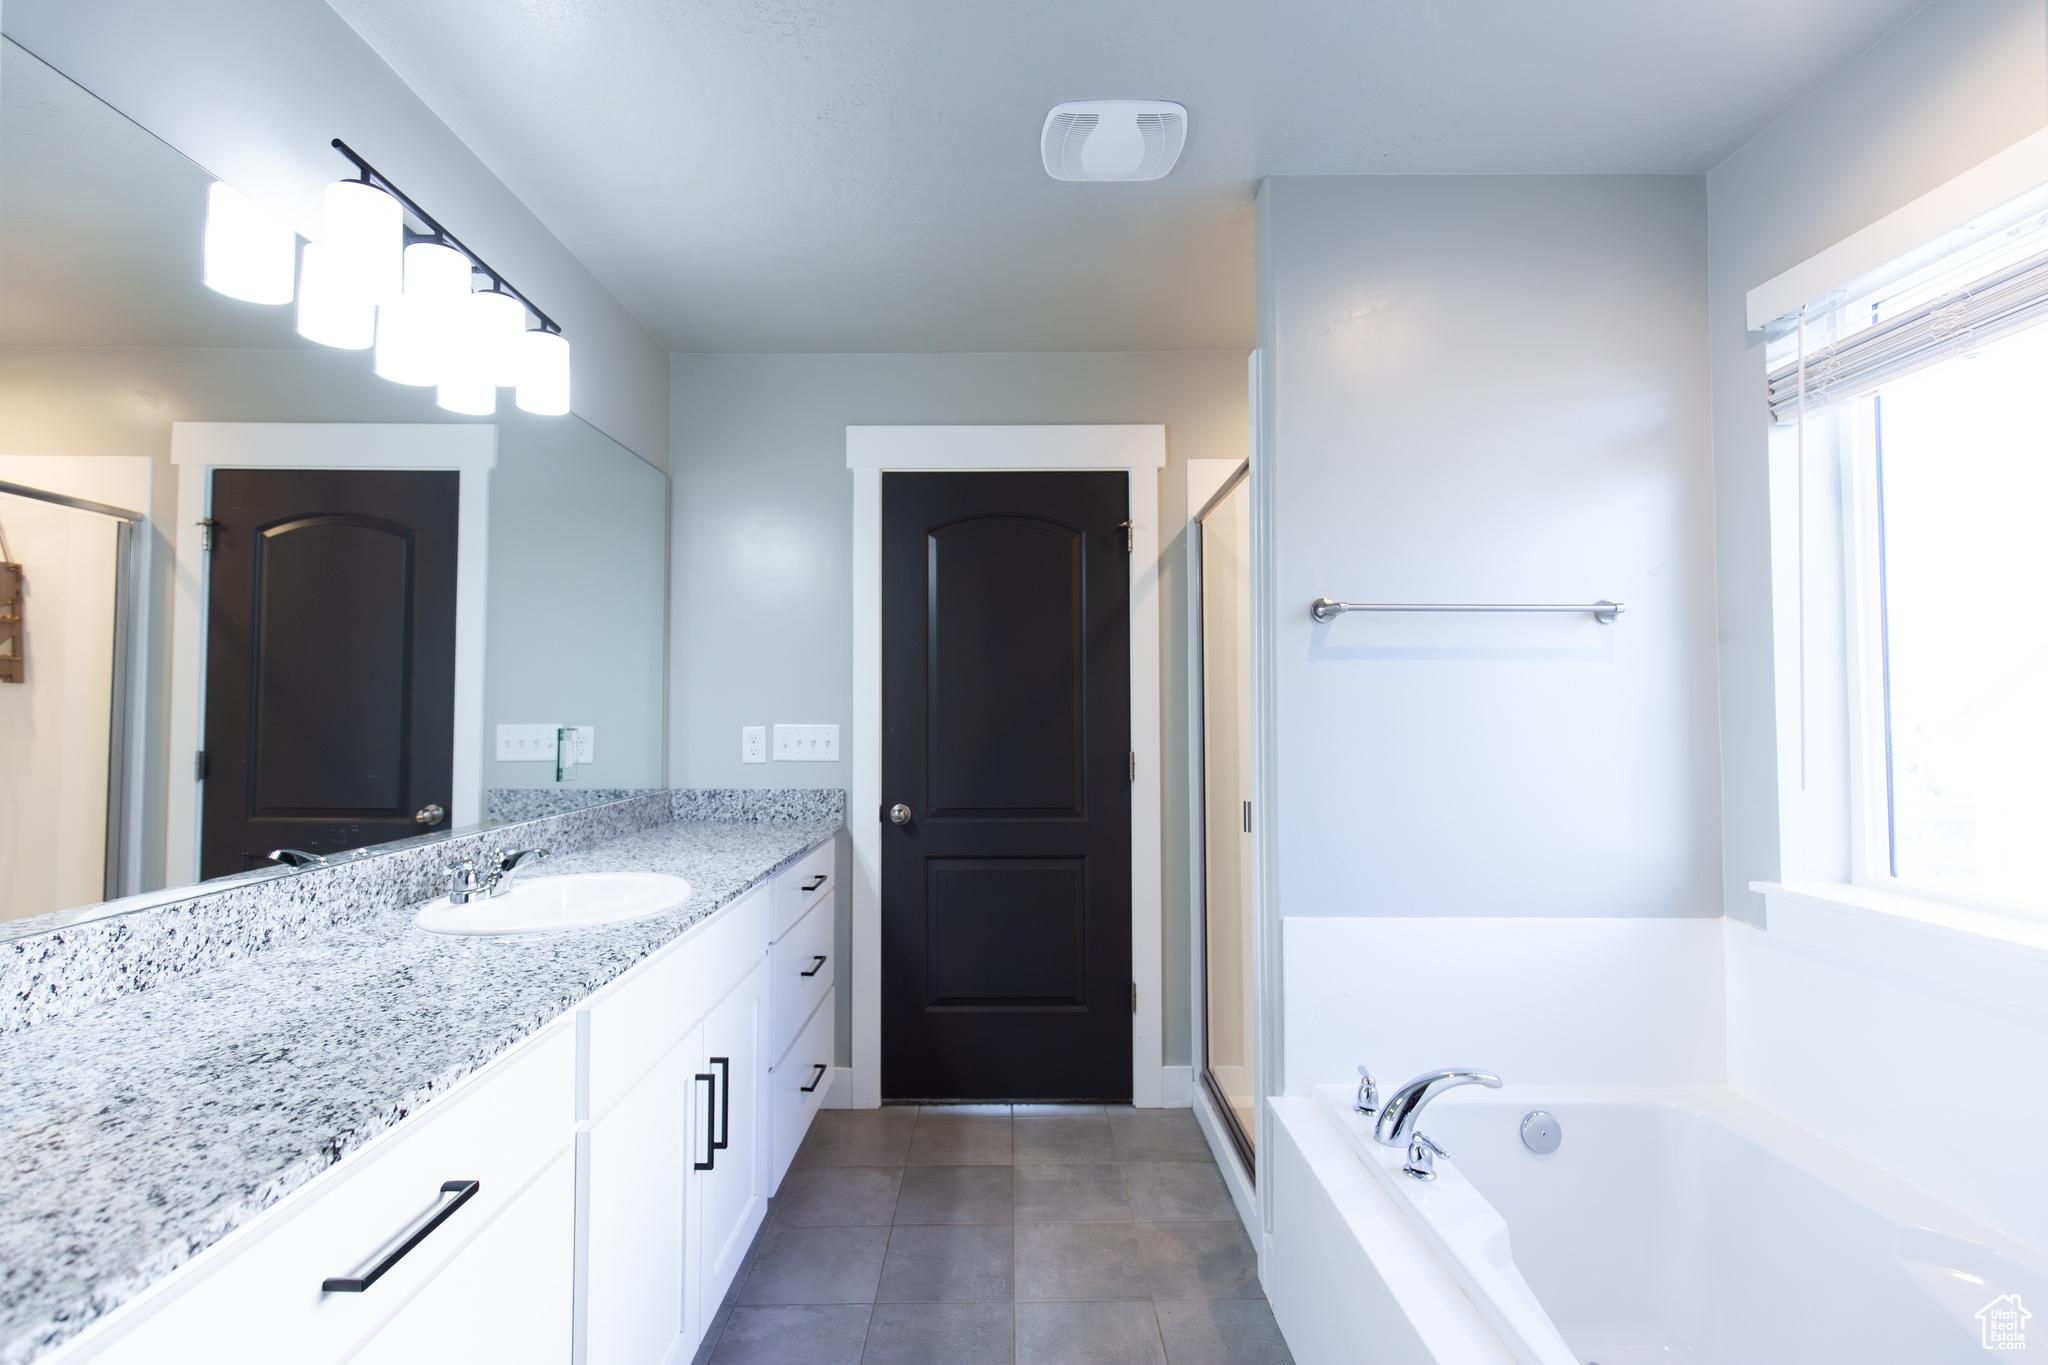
{"x": 791, "y": 1107}
{"x": 791, "y": 994}
{"x": 803, "y": 884}
{"x": 261, "y": 1299}
{"x": 646, "y": 1012}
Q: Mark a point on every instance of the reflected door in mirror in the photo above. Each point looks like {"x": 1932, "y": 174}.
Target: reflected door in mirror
{"x": 330, "y": 660}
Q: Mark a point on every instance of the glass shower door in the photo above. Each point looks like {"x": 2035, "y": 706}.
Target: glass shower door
{"x": 1225, "y": 549}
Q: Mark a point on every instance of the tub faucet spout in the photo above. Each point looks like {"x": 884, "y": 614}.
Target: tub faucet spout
{"x": 1397, "y": 1120}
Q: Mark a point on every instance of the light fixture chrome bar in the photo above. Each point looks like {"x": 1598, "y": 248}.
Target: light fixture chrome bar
{"x": 436, "y": 233}
{"x": 1328, "y": 609}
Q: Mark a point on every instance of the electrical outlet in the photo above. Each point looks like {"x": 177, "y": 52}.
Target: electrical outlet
{"x": 807, "y": 744}
{"x": 753, "y": 744}
{"x": 536, "y": 743}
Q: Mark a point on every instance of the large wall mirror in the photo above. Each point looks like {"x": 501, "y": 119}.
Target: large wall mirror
{"x": 256, "y": 597}
{"x": 1223, "y": 547}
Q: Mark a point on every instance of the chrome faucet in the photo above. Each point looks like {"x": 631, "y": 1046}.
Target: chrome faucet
{"x": 1422, "y": 1155}
{"x": 1368, "y": 1101}
{"x": 1397, "y": 1121}
{"x": 293, "y": 857}
{"x": 475, "y": 879}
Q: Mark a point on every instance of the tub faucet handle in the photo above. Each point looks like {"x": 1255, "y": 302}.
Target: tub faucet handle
{"x": 1422, "y": 1155}
{"x": 1368, "y": 1101}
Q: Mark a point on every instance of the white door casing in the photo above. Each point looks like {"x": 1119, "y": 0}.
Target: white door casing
{"x": 1140, "y": 451}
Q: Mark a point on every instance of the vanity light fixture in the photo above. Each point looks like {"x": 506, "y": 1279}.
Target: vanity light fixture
{"x": 383, "y": 273}
{"x": 249, "y": 252}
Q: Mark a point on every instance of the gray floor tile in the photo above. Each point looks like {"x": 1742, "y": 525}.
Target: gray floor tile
{"x": 1177, "y": 1192}
{"x": 947, "y": 1264}
{"x": 1199, "y": 1261}
{"x": 1222, "y": 1332}
{"x": 951, "y": 1139}
{"x": 838, "y": 1196}
{"x": 859, "y": 1137}
{"x": 1054, "y": 1111}
{"x": 1079, "y": 1261}
{"x": 711, "y": 1335}
{"x": 1071, "y": 1194}
{"x": 1157, "y": 1135}
{"x": 815, "y": 1335}
{"x": 1088, "y": 1334}
{"x": 816, "y": 1265}
{"x": 996, "y": 1111}
{"x": 941, "y": 1334}
{"x": 955, "y": 1194}
{"x": 1050, "y": 1136}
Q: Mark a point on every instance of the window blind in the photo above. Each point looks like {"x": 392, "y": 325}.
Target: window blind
{"x": 1908, "y": 331}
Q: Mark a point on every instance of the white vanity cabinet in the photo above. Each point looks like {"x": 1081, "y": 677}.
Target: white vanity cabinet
{"x": 800, "y": 1013}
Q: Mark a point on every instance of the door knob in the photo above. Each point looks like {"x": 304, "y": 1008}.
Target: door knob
{"x": 429, "y": 815}
{"x": 899, "y": 814}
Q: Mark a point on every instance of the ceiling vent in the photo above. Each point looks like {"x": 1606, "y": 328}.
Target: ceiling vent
{"x": 1113, "y": 139}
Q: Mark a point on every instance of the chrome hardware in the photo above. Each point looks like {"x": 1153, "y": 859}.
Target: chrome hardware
{"x": 1422, "y": 1155}
{"x": 475, "y": 879}
{"x": 1368, "y": 1101}
{"x": 429, "y": 815}
{"x": 1541, "y": 1132}
{"x": 292, "y": 857}
{"x": 899, "y": 814}
{"x": 1329, "y": 609}
{"x": 1397, "y": 1120}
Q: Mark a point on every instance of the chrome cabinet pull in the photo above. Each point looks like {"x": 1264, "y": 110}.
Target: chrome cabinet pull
{"x": 814, "y": 883}
{"x": 817, "y": 965}
{"x": 820, "y": 1069}
{"x": 710, "y": 1124}
{"x": 463, "y": 1190}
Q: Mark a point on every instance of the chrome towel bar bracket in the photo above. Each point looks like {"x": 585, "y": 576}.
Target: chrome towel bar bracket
{"x": 1328, "y": 609}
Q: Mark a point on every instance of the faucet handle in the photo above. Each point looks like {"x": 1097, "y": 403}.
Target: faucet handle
{"x": 1368, "y": 1101}
{"x": 1422, "y": 1155}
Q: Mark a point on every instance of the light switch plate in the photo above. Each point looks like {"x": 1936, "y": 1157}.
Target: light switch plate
{"x": 536, "y": 743}
{"x": 807, "y": 744}
{"x": 753, "y": 744}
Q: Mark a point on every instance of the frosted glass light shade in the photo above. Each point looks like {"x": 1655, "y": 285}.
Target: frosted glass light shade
{"x": 472, "y": 393}
{"x": 436, "y": 271}
{"x": 333, "y": 310}
{"x": 364, "y": 229}
{"x": 410, "y": 347}
{"x": 543, "y": 374}
{"x": 249, "y": 253}
{"x": 496, "y": 323}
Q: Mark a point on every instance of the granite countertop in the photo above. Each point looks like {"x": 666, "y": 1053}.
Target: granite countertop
{"x": 140, "y": 1132}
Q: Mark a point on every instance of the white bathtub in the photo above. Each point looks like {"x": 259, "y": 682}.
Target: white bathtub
{"x": 1684, "y": 1227}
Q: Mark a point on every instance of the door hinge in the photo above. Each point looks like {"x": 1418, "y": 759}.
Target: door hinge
{"x": 206, "y": 525}
{"x": 1134, "y": 765}
{"x": 1134, "y": 997}
{"x": 1130, "y": 535}
{"x": 199, "y": 766}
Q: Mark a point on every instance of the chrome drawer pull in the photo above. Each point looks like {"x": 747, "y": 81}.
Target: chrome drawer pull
{"x": 817, "y": 965}
{"x": 814, "y": 883}
{"x": 463, "y": 1190}
{"x": 821, "y": 1069}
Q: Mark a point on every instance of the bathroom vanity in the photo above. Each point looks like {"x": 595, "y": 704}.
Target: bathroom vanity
{"x": 379, "y": 1144}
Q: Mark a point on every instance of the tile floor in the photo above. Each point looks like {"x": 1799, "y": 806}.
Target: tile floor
{"x": 1039, "y": 1235}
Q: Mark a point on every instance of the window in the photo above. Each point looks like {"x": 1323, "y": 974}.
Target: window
{"x": 1929, "y": 383}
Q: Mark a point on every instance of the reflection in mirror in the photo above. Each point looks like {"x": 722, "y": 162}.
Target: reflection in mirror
{"x": 335, "y": 614}
{"x": 1225, "y": 557}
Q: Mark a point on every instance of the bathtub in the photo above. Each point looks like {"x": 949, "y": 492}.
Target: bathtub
{"x": 1681, "y": 1226}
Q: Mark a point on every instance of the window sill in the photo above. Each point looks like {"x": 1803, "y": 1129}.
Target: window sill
{"x": 1987, "y": 954}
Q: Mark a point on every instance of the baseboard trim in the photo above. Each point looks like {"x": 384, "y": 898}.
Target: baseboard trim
{"x": 1176, "y": 1086}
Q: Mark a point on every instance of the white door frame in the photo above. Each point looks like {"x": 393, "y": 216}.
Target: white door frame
{"x": 1140, "y": 451}
{"x": 199, "y": 448}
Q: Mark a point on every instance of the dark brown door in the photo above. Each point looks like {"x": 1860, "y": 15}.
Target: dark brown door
{"x": 330, "y": 660}
{"x": 1006, "y": 892}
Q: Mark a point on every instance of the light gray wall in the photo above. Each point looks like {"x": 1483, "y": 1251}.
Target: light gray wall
{"x": 1491, "y": 389}
{"x": 253, "y": 90}
{"x": 577, "y": 595}
{"x": 762, "y": 542}
{"x": 1962, "y": 80}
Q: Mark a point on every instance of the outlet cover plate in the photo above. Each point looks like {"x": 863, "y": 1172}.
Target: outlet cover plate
{"x": 807, "y": 744}
{"x": 536, "y": 743}
{"x": 753, "y": 744}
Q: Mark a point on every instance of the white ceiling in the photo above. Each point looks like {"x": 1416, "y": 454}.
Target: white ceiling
{"x": 863, "y": 175}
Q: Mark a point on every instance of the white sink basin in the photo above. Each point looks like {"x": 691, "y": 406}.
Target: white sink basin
{"x": 544, "y": 905}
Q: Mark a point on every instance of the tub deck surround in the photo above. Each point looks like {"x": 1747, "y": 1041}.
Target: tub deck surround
{"x": 143, "y": 1128}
